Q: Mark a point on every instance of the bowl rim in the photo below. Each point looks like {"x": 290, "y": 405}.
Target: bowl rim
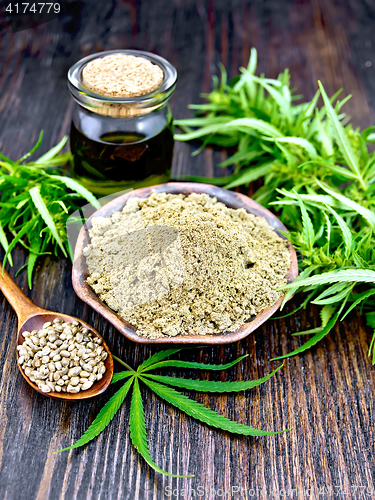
{"x": 231, "y": 199}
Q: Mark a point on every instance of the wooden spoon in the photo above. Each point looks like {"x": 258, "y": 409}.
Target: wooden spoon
{"x": 32, "y": 317}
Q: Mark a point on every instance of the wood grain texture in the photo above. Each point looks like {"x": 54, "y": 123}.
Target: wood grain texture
{"x": 325, "y": 396}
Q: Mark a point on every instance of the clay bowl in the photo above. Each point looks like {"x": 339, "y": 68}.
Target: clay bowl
{"x": 229, "y": 198}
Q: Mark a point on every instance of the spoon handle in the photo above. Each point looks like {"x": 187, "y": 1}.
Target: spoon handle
{"x": 21, "y": 304}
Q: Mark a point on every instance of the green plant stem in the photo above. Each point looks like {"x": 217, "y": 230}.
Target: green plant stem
{"x": 123, "y": 363}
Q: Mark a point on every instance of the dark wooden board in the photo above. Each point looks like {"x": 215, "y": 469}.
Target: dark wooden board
{"x": 325, "y": 396}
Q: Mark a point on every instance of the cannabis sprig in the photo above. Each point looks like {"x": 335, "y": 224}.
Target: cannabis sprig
{"x": 316, "y": 170}
{"x": 331, "y": 276}
{"x": 160, "y": 385}
{"x": 35, "y": 203}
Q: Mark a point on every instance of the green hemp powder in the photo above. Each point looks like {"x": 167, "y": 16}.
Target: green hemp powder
{"x": 185, "y": 265}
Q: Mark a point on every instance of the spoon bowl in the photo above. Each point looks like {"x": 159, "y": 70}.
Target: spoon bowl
{"x": 32, "y": 317}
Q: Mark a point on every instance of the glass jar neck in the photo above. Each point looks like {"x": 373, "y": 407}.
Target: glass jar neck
{"x": 121, "y": 107}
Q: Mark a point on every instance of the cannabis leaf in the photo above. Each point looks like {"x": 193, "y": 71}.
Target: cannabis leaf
{"x": 106, "y": 414}
{"x": 43, "y": 210}
{"x": 340, "y": 133}
{"x": 208, "y": 385}
{"x": 319, "y": 334}
{"x": 190, "y": 364}
{"x": 370, "y": 319}
{"x": 138, "y": 430}
{"x": 159, "y": 385}
{"x": 200, "y": 412}
{"x": 341, "y": 275}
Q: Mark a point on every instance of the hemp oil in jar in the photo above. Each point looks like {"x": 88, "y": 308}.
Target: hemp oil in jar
{"x": 122, "y": 129}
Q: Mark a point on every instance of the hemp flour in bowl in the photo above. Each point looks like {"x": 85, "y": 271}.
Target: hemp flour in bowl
{"x": 175, "y": 263}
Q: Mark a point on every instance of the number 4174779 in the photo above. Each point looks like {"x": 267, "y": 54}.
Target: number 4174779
{"x": 33, "y": 8}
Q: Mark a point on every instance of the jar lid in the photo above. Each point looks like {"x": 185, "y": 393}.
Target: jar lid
{"x": 122, "y": 83}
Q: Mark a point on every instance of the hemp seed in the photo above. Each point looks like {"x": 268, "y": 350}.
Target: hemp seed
{"x": 62, "y": 357}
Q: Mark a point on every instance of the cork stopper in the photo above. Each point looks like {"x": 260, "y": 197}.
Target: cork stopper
{"x": 122, "y": 75}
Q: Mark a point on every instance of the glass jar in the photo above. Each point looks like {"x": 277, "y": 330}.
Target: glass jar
{"x": 121, "y": 142}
